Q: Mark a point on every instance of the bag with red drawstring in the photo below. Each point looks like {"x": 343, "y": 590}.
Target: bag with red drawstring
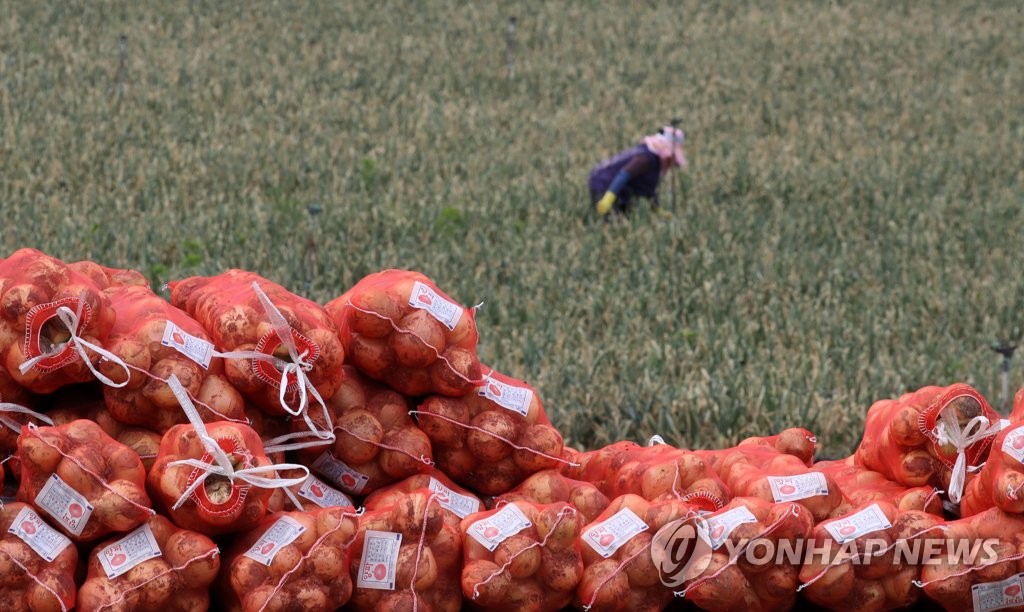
{"x": 291, "y": 561}
{"x": 155, "y": 567}
{"x": 398, "y": 327}
{"x": 492, "y": 439}
{"x": 37, "y": 562}
{"x": 145, "y": 442}
{"x": 53, "y": 323}
{"x": 1000, "y": 483}
{"x": 216, "y": 478}
{"x": 89, "y": 484}
{"x": 933, "y": 436}
{"x": 407, "y": 554}
{"x": 522, "y": 556}
{"x": 376, "y": 442}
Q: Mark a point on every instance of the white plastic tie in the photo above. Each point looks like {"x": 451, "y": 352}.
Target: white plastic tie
{"x": 71, "y": 319}
{"x": 947, "y": 431}
{"x": 19, "y": 409}
{"x": 222, "y": 462}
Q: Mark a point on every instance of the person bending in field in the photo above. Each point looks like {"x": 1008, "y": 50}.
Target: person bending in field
{"x": 617, "y": 181}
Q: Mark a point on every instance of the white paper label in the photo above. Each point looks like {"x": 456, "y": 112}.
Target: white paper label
{"x": 379, "y": 562}
{"x": 501, "y": 525}
{"x": 516, "y": 399}
{"x": 282, "y": 533}
{"x": 196, "y": 349}
{"x": 46, "y": 541}
{"x": 461, "y": 505}
{"x": 322, "y": 494}
{"x": 610, "y": 534}
{"x": 448, "y": 313}
{"x": 720, "y": 527}
{"x": 868, "y": 520}
{"x": 64, "y": 504}
{"x": 1013, "y": 444}
{"x": 131, "y": 550}
{"x": 1007, "y": 593}
{"x": 339, "y": 473}
{"x": 792, "y": 488}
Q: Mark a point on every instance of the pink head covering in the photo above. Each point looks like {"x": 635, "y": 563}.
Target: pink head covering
{"x": 668, "y": 144}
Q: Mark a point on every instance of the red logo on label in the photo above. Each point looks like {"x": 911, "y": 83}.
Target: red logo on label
{"x": 316, "y": 490}
{"x": 178, "y": 338}
{"x": 423, "y": 297}
{"x": 847, "y": 530}
{"x": 494, "y": 389}
{"x": 269, "y": 546}
{"x": 717, "y": 531}
{"x": 75, "y": 510}
{"x": 380, "y": 572}
{"x": 1012, "y": 591}
{"x": 787, "y": 489}
{"x": 442, "y": 496}
{"x": 491, "y": 532}
{"x": 118, "y": 559}
{"x": 28, "y": 527}
{"x": 606, "y": 539}
{"x": 348, "y": 480}
{"x": 1018, "y": 442}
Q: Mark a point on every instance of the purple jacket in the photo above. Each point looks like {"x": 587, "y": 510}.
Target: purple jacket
{"x": 644, "y": 184}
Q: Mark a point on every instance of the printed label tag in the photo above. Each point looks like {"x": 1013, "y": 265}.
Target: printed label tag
{"x": 501, "y": 525}
{"x": 609, "y": 535}
{"x": 864, "y": 522}
{"x": 1013, "y": 444}
{"x": 131, "y": 550}
{"x": 64, "y": 504}
{"x": 339, "y": 473}
{"x": 721, "y": 527}
{"x": 448, "y": 313}
{"x": 379, "y": 562}
{"x": 196, "y": 349}
{"x": 46, "y": 541}
{"x": 461, "y": 505}
{"x": 322, "y": 494}
{"x": 282, "y": 533}
{"x": 792, "y": 488}
{"x": 516, "y": 399}
{"x": 1007, "y": 593}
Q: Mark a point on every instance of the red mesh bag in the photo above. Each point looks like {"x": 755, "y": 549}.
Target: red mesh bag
{"x": 492, "y": 439}
{"x": 979, "y": 565}
{"x": 157, "y": 340}
{"x": 399, "y": 328}
{"x": 744, "y": 559}
{"x": 37, "y": 563}
{"x": 216, "y": 478}
{"x": 105, "y": 277}
{"x": 619, "y": 572}
{"x": 407, "y": 555}
{"x": 143, "y": 441}
{"x": 296, "y": 332}
{"x": 53, "y": 322}
{"x": 862, "y": 486}
{"x": 376, "y": 442}
{"x": 653, "y": 472}
{"x": 1017, "y": 414}
{"x": 155, "y": 567}
{"x": 866, "y": 559}
{"x": 88, "y": 483}
{"x": 756, "y": 471}
{"x": 522, "y": 556}
{"x": 549, "y": 487}
{"x": 16, "y": 409}
{"x": 795, "y": 441}
{"x": 932, "y": 436}
{"x": 458, "y": 502}
{"x": 1000, "y": 483}
{"x": 291, "y": 561}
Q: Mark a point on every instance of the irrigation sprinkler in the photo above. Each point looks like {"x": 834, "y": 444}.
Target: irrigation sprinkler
{"x": 1006, "y": 350}
{"x": 314, "y": 210}
{"x": 122, "y": 63}
{"x": 510, "y": 48}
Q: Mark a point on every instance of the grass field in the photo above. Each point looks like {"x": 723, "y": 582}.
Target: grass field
{"x": 848, "y": 230}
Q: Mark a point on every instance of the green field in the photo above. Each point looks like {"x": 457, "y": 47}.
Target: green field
{"x": 848, "y": 229}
